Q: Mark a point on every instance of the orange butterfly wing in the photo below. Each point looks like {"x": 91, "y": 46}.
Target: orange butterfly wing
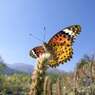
{"x": 61, "y": 49}
{"x": 61, "y": 44}
{"x": 37, "y": 52}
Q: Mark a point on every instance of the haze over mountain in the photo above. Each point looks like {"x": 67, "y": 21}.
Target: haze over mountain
{"x": 29, "y": 68}
{"x": 4, "y": 69}
{"x": 21, "y": 67}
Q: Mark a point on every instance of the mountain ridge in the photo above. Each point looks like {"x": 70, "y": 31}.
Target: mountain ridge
{"x": 22, "y": 67}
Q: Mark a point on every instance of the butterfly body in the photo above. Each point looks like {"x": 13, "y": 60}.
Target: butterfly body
{"x": 59, "y": 46}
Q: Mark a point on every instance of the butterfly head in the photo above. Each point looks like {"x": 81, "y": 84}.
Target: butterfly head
{"x": 73, "y": 30}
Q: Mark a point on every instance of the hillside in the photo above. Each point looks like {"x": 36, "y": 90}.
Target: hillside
{"x": 4, "y": 69}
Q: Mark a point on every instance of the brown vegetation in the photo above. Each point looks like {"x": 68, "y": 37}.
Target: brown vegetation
{"x": 77, "y": 82}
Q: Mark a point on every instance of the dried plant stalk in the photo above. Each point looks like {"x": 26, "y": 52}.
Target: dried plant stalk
{"x": 38, "y": 76}
{"x": 46, "y": 84}
{"x": 49, "y": 87}
{"x": 58, "y": 87}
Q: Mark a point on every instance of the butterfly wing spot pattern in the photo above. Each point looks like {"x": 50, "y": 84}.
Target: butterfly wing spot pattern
{"x": 59, "y": 46}
{"x": 62, "y": 54}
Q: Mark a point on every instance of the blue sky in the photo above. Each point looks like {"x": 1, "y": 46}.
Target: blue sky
{"x": 19, "y": 18}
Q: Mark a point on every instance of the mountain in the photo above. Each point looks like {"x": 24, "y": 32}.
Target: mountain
{"x": 22, "y": 67}
{"x": 4, "y": 69}
{"x": 27, "y": 68}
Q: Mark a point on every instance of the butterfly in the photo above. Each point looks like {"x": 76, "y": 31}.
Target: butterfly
{"x": 59, "y": 46}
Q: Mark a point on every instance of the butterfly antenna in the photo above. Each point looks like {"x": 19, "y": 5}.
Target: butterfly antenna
{"x": 35, "y": 37}
{"x": 44, "y": 38}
